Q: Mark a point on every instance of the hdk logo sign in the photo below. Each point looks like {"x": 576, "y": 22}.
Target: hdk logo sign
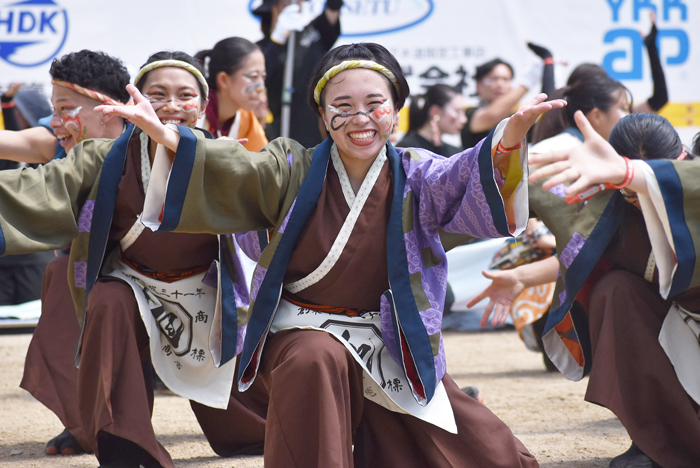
{"x": 32, "y": 32}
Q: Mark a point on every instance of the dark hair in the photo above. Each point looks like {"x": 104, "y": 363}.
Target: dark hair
{"x": 645, "y": 136}
{"x": 228, "y": 56}
{"x": 93, "y": 70}
{"x": 594, "y": 92}
{"x": 486, "y": 68}
{"x": 361, "y": 51}
{"x": 436, "y": 95}
{"x": 584, "y": 71}
{"x": 173, "y": 55}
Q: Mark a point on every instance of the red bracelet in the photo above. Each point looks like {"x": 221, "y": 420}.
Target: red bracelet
{"x": 549, "y": 61}
{"x": 628, "y": 176}
{"x": 8, "y": 105}
{"x": 500, "y": 149}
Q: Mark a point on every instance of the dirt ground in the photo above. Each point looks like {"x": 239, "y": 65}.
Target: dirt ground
{"x": 544, "y": 410}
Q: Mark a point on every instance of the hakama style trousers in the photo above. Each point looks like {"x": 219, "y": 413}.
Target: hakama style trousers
{"x": 317, "y": 412}
{"x": 112, "y": 391}
{"x": 631, "y": 374}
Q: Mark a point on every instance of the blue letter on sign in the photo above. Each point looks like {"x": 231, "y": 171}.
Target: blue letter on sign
{"x": 636, "y": 42}
{"x": 683, "y": 44}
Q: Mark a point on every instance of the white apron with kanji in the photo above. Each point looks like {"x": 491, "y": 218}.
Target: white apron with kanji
{"x": 384, "y": 380}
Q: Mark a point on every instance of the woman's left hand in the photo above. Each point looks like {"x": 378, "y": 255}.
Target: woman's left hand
{"x": 520, "y": 122}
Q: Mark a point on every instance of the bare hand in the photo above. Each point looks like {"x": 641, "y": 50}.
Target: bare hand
{"x": 520, "y": 122}
{"x": 12, "y": 90}
{"x": 143, "y": 116}
{"x": 593, "y": 162}
{"x": 503, "y": 290}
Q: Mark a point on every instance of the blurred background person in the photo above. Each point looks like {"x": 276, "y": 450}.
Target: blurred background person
{"x": 499, "y": 96}
{"x": 437, "y": 112}
{"x": 236, "y": 74}
{"x": 315, "y": 37}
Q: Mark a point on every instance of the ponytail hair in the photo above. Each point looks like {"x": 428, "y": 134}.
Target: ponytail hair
{"x": 228, "y": 56}
{"x": 589, "y": 91}
{"x": 436, "y": 95}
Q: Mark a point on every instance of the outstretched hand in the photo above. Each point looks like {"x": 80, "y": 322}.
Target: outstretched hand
{"x": 503, "y": 290}
{"x": 593, "y": 162}
{"x": 143, "y": 116}
{"x": 520, "y": 122}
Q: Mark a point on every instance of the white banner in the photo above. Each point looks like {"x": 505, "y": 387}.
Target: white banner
{"x": 436, "y": 41}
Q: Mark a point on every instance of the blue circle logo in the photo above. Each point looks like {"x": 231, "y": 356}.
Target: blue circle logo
{"x": 32, "y": 32}
{"x": 371, "y": 17}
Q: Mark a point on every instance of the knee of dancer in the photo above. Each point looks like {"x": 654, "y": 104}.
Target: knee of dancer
{"x": 316, "y": 354}
{"x": 111, "y": 300}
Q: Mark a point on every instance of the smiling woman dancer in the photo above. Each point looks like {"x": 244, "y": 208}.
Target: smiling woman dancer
{"x": 347, "y": 298}
{"x": 629, "y": 302}
{"x": 236, "y": 76}
{"x": 138, "y": 303}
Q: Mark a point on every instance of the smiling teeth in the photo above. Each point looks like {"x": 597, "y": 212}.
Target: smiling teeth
{"x": 175, "y": 122}
{"x": 364, "y": 136}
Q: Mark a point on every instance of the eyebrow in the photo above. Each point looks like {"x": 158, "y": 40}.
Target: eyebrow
{"x": 372, "y": 95}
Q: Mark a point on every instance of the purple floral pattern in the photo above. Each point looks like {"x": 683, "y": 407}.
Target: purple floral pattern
{"x": 290, "y": 159}
{"x": 286, "y": 218}
{"x": 572, "y": 249}
{"x": 211, "y": 279}
{"x": 240, "y": 339}
{"x": 559, "y": 190}
{"x": 258, "y": 277}
{"x": 85, "y": 219}
{"x": 80, "y": 274}
{"x": 249, "y": 243}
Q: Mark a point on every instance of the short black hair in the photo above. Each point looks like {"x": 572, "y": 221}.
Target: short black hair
{"x": 361, "y": 51}
{"x": 93, "y": 70}
{"x": 173, "y": 55}
{"x": 486, "y": 68}
{"x": 645, "y": 136}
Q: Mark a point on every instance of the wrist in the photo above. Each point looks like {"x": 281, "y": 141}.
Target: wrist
{"x": 627, "y": 175}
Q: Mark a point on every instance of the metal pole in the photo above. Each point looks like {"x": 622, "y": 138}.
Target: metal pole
{"x": 287, "y": 86}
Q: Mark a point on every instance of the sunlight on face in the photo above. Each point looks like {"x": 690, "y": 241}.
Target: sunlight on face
{"x": 73, "y": 119}
{"x": 245, "y": 87}
{"x": 175, "y": 95}
{"x": 359, "y": 114}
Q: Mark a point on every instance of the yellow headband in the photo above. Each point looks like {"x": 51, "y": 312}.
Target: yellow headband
{"x": 87, "y": 92}
{"x": 352, "y": 64}
{"x": 174, "y": 63}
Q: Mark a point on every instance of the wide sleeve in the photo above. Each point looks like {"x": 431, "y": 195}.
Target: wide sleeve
{"x": 466, "y": 194}
{"x": 39, "y": 208}
{"x": 251, "y": 129}
{"x": 672, "y": 216}
{"x": 218, "y": 186}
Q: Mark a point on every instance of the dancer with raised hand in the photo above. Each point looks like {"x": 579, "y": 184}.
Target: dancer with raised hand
{"x": 137, "y": 302}
{"x": 353, "y": 281}
{"x": 626, "y": 308}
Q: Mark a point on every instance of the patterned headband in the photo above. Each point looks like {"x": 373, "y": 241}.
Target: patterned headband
{"x": 352, "y": 64}
{"x": 174, "y": 63}
{"x": 87, "y": 92}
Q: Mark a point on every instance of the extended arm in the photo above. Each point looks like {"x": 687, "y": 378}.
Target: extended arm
{"x": 39, "y": 207}
{"x": 32, "y": 146}
{"x": 507, "y": 285}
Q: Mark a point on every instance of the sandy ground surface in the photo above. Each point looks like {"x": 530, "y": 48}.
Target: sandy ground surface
{"x": 544, "y": 410}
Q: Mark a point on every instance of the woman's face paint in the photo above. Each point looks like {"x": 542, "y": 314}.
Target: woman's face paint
{"x": 359, "y": 114}
{"x": 382, "y": 113}
{"x": 244, "y": 88}
{"x": 73, "y": 119}
{"x": 174, "y": 94}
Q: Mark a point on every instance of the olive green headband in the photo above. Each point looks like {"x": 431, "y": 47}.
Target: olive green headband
{"x": 352, "y": 64}
{"x": 174, "y": 63}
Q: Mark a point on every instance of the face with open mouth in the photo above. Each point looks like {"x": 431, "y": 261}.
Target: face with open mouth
{"x": 73, "y": 119}
{"x": 359, "y": 114}
{"x": 175, "y": 96}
